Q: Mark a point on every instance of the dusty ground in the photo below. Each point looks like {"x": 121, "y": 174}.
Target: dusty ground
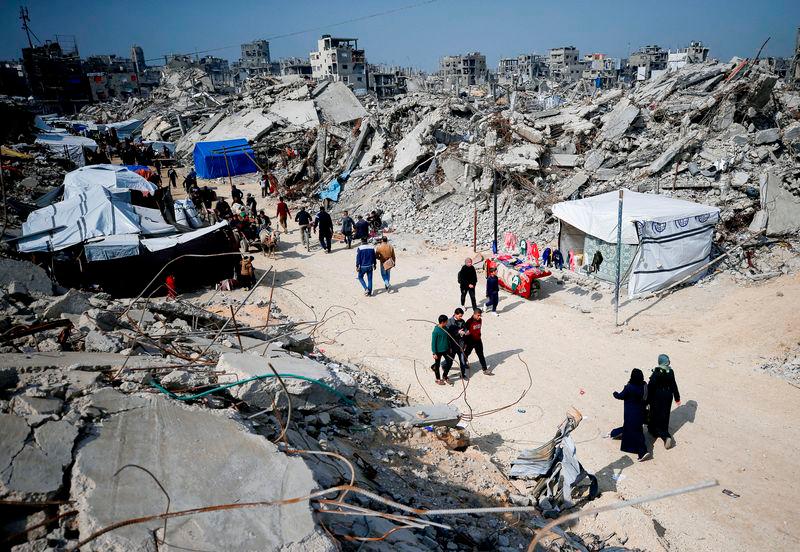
{"x": 734, "y": 425}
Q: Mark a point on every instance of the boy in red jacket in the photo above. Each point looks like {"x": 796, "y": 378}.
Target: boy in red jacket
{"x": 473, "y": 341}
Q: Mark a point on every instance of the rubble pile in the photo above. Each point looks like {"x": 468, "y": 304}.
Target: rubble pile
{"x": 104, "y": 405}
{"x": 786, "y": 367}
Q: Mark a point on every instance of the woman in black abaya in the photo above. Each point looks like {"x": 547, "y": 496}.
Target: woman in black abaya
{"x": 635, "y": 396}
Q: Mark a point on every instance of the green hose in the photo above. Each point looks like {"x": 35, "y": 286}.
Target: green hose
{"x": 242, "y": 382}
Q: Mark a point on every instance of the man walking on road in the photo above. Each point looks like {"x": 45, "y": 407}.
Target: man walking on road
{"x": 282, "y": 213}
{"x": 440, "y": 345}
{"x": 365, "y": 264}
{"x": 173, "y": 177}
{"x": 324, "y": 225}
{"x": 457, "y": 328}
{"x": 385, "y": 254}
{"x": 473, "y": 342}
{"x": 467, "y": 280}
{"x": 348, "y": 225}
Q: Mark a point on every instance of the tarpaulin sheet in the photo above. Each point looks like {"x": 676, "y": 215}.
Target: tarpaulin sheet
{"x": 67, "y": 146}
{"x": 112, "y": 177}
{"x": 332, "y": 191}
{"x": 157, "y": 244}
{"x": 219, "y": 159}
{"x": 112, "y": 247}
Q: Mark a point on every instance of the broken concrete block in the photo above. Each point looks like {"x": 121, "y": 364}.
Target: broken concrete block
{"x": 26, "y": 406}
{"x": 767, "y": 136}
{"x": 301, "y": 114}
{"x": 665, "y": 158}
{"x": 97, "y": 318}
{"x": 338, "y": 104}
{"x": 520, "y": 158}
{"x": 411, "y": 149}
{"x": 419, "y": 415}
{"x": 37, "y": 471}
{"x": 618, "y": 120}
{"x": 201, "y": 458}
{"x": 299, "y": 342}
{"x": 181, "y": 379}
{"x": 573, "y": 184}
{"x": 783, "y": 208}
{"x": 260, "y": 393}
{"x": 17, "y": 290}
{"x": 791, "y": 133}
{"x": 72, "y": 302}
{"x": 14, "y": 431}
{"x": 32, "y": 276}
{"x": 564, "y": 160}
{"x": 529, "y": 133}
{"x": 99, "y": 342}
{"x": 593, "y": 160}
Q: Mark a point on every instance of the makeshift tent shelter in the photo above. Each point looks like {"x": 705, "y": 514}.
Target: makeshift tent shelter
{"x": 112, "y": 177}
{"x": 95, "y": 213}
{"x": 225, "y": 158}
{"x": 663, "y": 239}
{"x": 67, "y": 146}
{"x": 125, "y": 129}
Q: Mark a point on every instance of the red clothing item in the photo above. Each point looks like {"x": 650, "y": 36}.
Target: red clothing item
{"x": 474, "y": 328}
{"x": 283, "y": 210}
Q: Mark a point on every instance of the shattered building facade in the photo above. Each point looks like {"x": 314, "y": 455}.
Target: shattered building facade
{"x": 522, "y": 69}
{"x": 694, "y": 53}
{"x": 386, "y": 81}
{"x": 463, "y": 70}
{"x": 255, "y": 58}
{"x": 600, "y": 70}
{"x": 648, "y": 59}
{"x": 295, "y": 66}
{"x": 564, "y": 64}
{"x": 339, "y": 60}
{"x": 56, "y": 76}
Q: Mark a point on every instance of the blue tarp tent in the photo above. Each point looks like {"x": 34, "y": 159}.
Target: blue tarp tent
{"x": 218, "y": 159}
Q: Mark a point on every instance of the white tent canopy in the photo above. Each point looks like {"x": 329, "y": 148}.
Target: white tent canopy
{"x": 95, "y": 213}
{"x": 67, "y": 146}
{"x": 672, "y": 236}
{"x": 597, "y": 215}
{"x": 112, "y": 177}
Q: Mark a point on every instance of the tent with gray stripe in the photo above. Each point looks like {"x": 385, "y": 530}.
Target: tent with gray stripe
{"x": 663, "y": 239}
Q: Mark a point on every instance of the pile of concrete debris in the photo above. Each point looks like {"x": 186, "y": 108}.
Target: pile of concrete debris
{"x": 118, "y": 409}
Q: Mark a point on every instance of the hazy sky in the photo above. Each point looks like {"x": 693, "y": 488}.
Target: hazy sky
{"x": 416, "y": 36}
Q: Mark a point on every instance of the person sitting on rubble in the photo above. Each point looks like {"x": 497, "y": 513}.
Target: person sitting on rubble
{"x": 236, "y": 194}
{"x": 223, "y": 210}
{"x": 374, "y": 221}
{"x": 263, "y": 219}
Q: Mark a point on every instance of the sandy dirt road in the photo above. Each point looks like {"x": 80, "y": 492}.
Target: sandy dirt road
{"x": 734, "y": 425}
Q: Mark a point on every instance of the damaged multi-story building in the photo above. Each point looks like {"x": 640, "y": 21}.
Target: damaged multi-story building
{"x": 564, "y": 64}
{"x": 647, "y": 60}
{"x": 522, "y": 69}
{"x": 255, "y": 58}
{"x": 386, "y": 81}
{"x": 56, "y": 75}
{"x": 111, "y": 76}
{"x": 600, "y": 70}
{"x": 295, "y": 66}
{"x": 339, "y": 59}
{"x": 463, "y": 70}
{"x": 694, "y": 53}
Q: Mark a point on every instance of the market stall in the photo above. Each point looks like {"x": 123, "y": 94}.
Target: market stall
{"x": 517, "y": 275}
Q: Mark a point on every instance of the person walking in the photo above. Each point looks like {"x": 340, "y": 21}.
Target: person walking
{"x": 492, "y": 290}
{"x": 365, "y": 264}
{"x": 348, "y": 225}
{"x": 264, "y": 183}
{"x": 467, "y": 280}
{"x": 386, "y": 256}
{"x": 324, "y": 225}
{"x": 440, "y": 346}
{"x": 457, "y": 328}
{"x": 251, "y": 205}
{"x": 361, "y": 228}
{"x": 303, "y": 220}
{"x": 236, "y": 194}
{"x": 247, "y": 272}
{"x": 635, "y": 396}
{"x": 282, "y": 213}
{"x": 173, "y": 177}
{"x": 662, "y": 389}
{"x": 473, "y": 341}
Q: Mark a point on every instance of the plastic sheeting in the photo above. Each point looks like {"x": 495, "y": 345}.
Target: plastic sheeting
{"x": 186, "y": 213}
{"x": 597, "y": 215}
{"x": 670, "y": 251}
{"x": 157, "y": 244}
{"x": 219, "y": 159}
{"x": 112, "y": 247}
{"x": 67, "y": 146}
{"x": 112, "y": 177}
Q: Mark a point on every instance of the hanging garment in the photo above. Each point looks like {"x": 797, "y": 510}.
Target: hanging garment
{"x": 533, "y": 252}
{"x": 523, "y": 248}
{"x": 546, "y": 257}
{"x": 571, "y": 260}
{"x": 510, "y": 240}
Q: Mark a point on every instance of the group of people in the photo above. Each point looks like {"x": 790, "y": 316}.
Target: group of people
{"x": 468, "y": 279}
{"x": 647, "y": 404}
{"x": 454, "y": 338}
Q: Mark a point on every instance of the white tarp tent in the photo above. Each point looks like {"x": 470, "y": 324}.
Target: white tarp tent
{"x": 111, "y": 177}
{"x": 67, "y": 146}
{"x": 95, "y": 213}
{"x": 672, "y": 236}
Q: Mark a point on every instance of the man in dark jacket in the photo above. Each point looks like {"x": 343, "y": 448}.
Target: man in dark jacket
{"x": 362, "y": 228}
{"x": 324, "y": 225}
{"x": 493, "y": 290}
{"x": 366, "y": 260}
{"x": 661, "y": 389}
{"x": 457, "y": 328}
{"x": 348, "y": 225}
{"x": 467, "y": 280}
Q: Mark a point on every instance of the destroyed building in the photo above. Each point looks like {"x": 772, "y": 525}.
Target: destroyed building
{"x": 339, "y": 60}
{"x": 564, "y": 64}
{"x": 255, "y": 58}
{"x": 648, "y": 59}
{"x": 523, "y": 68}
{"x": 464, "y": 70}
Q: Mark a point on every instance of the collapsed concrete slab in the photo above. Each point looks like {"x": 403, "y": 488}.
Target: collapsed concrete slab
{"x": 301, "y": 114}
{"x": 521, "y": 158}
{"x": 619, "y": 120}
{"x": 306, "y": 395}
{"x": 36, "y": 471}
{"x": 412, "y": 149}
{"x": 783, "y": 208}
{"x": 338, "y": 104}
{"x": 419, "y": 415}
{"x": 201, "y": 458}
{"x": 72, "y": 302}
{"x": 564, "y": 160}
{"x": 34, "y": 277}
{"x": 664, "y": 159}
{"x": 250, "y": 124}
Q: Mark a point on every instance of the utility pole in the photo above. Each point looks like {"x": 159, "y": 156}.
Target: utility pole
{"x": 23, "y": 15}
{"x": 495, "y": 248}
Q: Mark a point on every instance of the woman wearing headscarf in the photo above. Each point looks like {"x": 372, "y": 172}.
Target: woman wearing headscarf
{"x": 635, "y": 396}
{"x": 661, "y": 390}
